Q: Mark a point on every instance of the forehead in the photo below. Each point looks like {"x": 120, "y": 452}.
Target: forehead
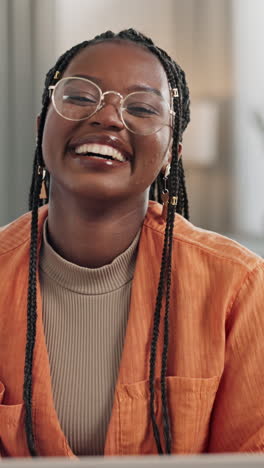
{"x": 120, "y": 66}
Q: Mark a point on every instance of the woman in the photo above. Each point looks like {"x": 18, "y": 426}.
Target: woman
{"x": 125, "y": 329}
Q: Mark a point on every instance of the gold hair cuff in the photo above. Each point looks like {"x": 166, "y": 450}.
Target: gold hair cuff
{"x": 174, "y": 201}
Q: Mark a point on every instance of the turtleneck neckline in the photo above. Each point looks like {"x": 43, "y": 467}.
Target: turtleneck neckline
{"x": 88, "y": 280}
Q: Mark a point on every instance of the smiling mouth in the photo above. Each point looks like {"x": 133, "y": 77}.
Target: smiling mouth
{"x": 101, "y": 151}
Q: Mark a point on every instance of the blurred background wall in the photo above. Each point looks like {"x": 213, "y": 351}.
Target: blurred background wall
{"x": 219, "y": 45}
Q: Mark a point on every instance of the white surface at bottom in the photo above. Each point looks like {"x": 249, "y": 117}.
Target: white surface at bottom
{"x": 187, "y": 461}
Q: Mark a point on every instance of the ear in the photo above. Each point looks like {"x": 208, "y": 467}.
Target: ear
{"x": 168, "y": 157}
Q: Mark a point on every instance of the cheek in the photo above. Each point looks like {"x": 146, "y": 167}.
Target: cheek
{"x": 154, "y": 149}
{"x": 54, "y": 137}
{"x": 49, "y": 137}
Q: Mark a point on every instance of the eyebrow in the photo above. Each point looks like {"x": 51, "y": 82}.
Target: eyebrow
{"x": 130, "y": 89}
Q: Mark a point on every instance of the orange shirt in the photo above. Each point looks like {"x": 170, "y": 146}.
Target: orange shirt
{"x": 215, "y": 377}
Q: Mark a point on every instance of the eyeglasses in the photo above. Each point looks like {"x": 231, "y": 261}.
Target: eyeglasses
{"x": 142, "y": 112}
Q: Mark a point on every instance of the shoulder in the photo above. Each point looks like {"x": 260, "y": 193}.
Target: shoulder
{"x": 18, "y": 231}
{"x": 195, "y": 242}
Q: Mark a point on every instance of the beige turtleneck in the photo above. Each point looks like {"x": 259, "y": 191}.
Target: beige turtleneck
{"x": 85, "y": 313}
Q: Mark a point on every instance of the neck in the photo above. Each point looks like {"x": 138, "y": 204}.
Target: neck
{"x": 93, "y": 236}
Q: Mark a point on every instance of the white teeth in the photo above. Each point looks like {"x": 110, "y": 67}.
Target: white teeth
{"x": 104, "y": 150}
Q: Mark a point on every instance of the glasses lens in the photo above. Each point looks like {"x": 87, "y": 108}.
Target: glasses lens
{"x": 145, "y": 112}
{"x": 76, "y": 98}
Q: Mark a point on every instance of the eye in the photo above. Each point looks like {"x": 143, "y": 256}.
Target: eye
{"x": 80, "y": 100}
{"x": 139, "y": 109}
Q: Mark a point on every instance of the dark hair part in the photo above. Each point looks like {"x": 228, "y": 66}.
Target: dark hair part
{"x": 177, "y": 188}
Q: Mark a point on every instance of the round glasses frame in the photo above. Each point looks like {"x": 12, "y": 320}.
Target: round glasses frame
{"x": 101, "y": 103}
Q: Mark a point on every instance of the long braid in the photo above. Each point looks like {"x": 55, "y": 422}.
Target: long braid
{"x": 174, "y": 193}
{"x": 174, "y": 190}
{"x": 31, "y": 320}
{"x": 176, "y": 79}
{"x": 32, "y": 290}
{"x": 153, "y": 349}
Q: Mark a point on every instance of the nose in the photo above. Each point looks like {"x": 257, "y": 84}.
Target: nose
{"x": 108, "y": 115}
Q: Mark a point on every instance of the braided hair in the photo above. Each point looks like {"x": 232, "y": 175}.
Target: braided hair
{"x": 178, "y": 203}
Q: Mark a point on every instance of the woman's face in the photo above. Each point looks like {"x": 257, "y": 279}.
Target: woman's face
{"x": 122, "y": 67}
